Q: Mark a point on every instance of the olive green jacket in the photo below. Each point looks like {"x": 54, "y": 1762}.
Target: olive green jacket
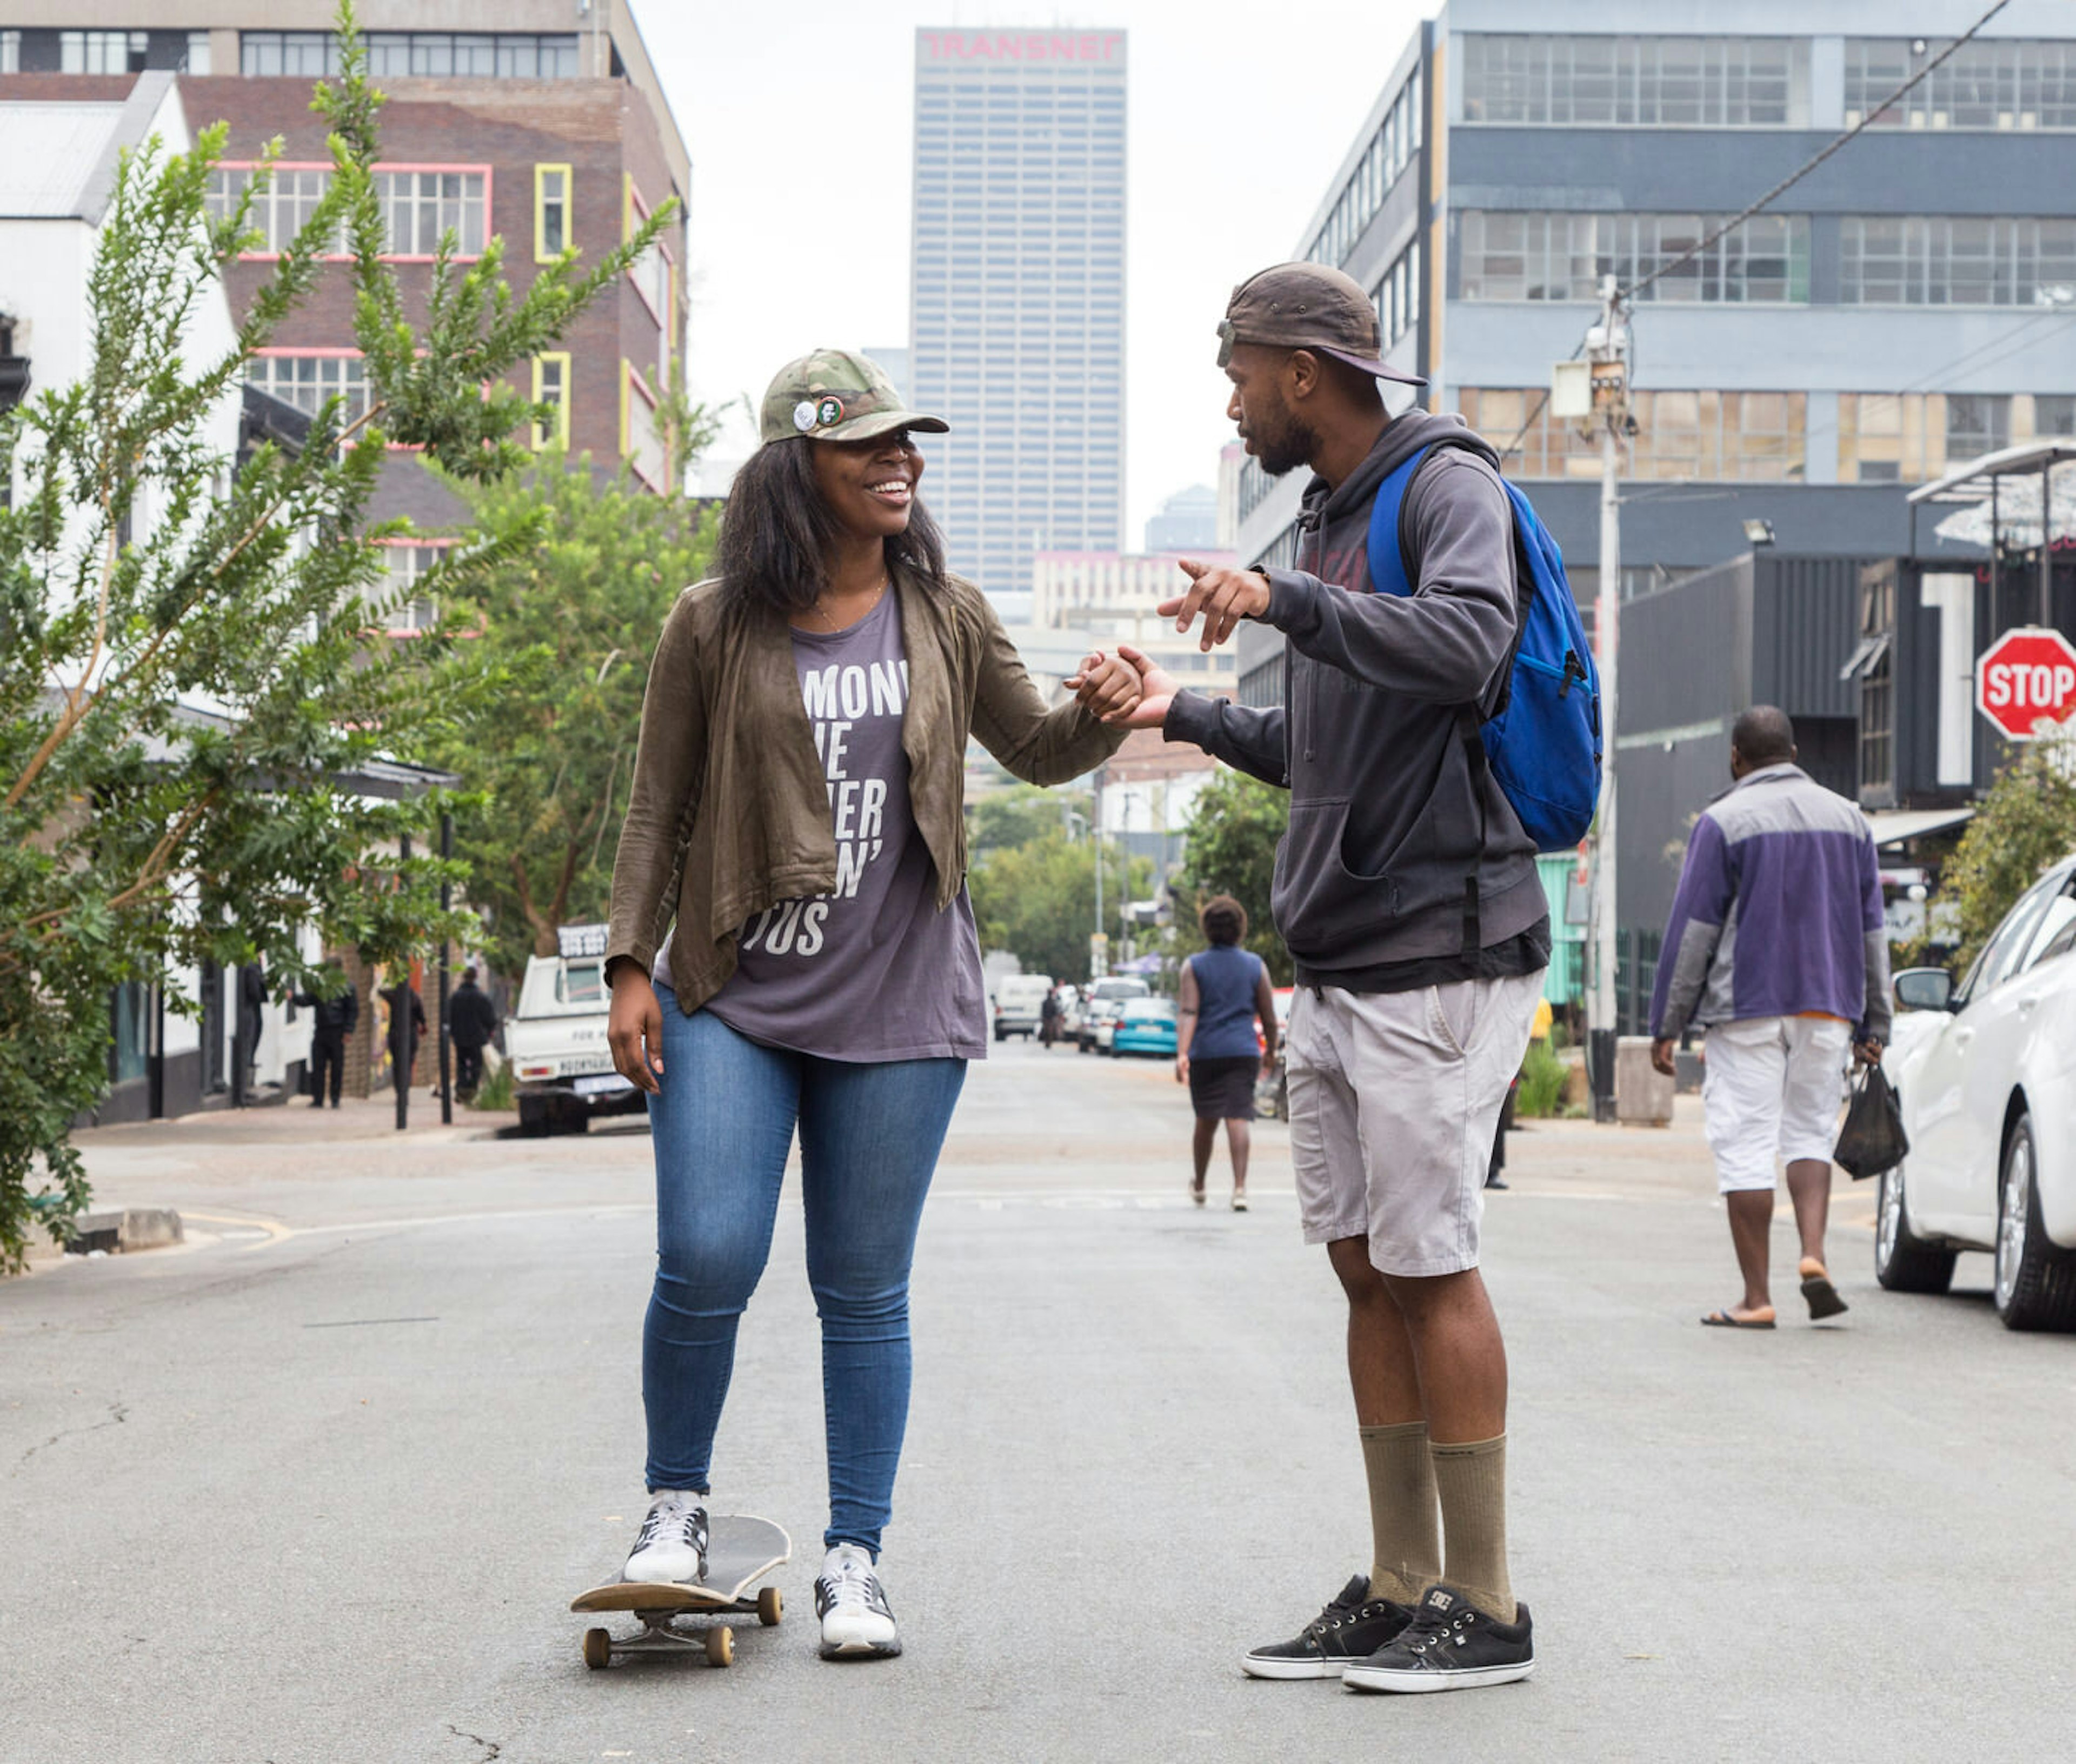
{"x": 730, "y": 811}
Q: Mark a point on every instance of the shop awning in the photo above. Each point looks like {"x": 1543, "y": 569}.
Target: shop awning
{"x": 1894, "y": 826}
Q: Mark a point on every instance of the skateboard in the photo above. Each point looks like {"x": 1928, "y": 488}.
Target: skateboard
{"x": 739, "y": 1552}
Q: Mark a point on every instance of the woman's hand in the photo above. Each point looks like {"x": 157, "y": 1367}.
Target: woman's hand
{"x": 1107, "y": 687}
{"x": 634, "y": 1028}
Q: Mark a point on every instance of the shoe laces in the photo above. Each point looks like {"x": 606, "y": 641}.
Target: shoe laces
{"x": 1430, "y": 1623}
{"x": 672, "y": 1522}
{"x": 852, "y": 1582}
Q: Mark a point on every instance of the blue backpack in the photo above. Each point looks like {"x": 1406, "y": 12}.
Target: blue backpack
{"x": 1543, "y": 742}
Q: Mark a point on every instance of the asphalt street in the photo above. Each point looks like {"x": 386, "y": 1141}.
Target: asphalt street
{"x": 317, "y": 1487}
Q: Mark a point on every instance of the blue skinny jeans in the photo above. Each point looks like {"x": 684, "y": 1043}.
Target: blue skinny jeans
{"x": 723, "y": 1125}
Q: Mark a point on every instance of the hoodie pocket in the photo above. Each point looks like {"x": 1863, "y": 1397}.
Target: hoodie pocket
{"x": 1319, "y": 904}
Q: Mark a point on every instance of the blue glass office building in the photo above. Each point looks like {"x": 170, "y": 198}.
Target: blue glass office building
{"x": 1017, "y": 292}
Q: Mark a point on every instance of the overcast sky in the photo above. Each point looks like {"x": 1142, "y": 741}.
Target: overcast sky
{"x": 799, "y": 117}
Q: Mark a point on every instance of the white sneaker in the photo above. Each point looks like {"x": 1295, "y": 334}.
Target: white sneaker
{"x": 672, "y": 1545}
{"x": 857, "y": 1621}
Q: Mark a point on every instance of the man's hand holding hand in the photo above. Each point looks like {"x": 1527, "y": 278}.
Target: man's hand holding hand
{"x": 1157, "y": 690}
{"x": 1223, "y": 596}
{"x": 1108, "y": 686}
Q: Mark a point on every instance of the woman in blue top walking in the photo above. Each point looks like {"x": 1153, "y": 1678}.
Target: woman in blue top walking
{"x": 1223, "y": 990}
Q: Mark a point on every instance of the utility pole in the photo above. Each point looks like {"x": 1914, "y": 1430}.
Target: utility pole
{"x": 1607, "y": 351}
{"x": 1097, "y": 966}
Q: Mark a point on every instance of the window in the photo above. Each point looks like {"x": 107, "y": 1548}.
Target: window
{"x": 421, "y": 207}
{"x": 102, "y": 52}
{"x": 552, "y": 233}
{"x": 1987, "y": 84}
{"x": 1915, "y": 260}
{"x": 308, "y": 381}
{"x": 198, "y": 58}
{"x": 2056, "y": 931}
{"x": 11, "y": 52}
{"x": 1745, "y": 437}
{"x": 1976, "y": 423}
{"x": 280, "y": 210}
{"x": 1638, "y": 82}
{"x": 2053, "y": 414}
{"x": 551, "y": 387}
{"x": 1877, "y": 689}
{"x": 299, "y": 54}
{"x": 402, "y": 610}
{"x": 640, "y": 445}
{"x": 1396, "y": 296}
{"x": 1544, "y": 256}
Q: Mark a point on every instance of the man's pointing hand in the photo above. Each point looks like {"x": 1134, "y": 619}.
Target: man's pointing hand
{"x": 1223, "y": 596}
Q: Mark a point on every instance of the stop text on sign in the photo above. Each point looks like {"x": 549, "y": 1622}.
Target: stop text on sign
{"x": 2025, "y": 677}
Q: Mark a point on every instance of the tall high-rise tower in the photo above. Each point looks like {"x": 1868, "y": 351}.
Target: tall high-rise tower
{"x": 1017, "y": 292}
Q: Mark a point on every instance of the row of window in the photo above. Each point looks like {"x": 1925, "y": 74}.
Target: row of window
{"x": 1398, "y": 296}
{"x": 1880, "y": 438}
{"x": 1390, "y": 151}
{"x": 1884, "y": 261}
{"x": 522, "y": 55}
{"x": 310, "y": 380}
{"x": 1640, "y": 82}
{"x": 417, "y": 206}
{"x": 1564, "y": 256}
{"x": 1762, "y": 82}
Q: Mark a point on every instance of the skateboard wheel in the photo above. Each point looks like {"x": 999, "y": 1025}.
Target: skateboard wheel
{"x": 771, "y": 1606}
{"x": 721, "y": 1645}
{"x": 597, "y": 1648}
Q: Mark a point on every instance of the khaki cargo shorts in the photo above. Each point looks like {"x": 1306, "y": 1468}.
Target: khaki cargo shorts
{"x": 1395, "y": 1099}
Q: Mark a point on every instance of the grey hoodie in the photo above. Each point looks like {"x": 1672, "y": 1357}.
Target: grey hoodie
{"x": 1390, "y": 818}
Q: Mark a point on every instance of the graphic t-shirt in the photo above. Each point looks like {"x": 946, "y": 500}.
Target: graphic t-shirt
{"x": 872, "y": 970}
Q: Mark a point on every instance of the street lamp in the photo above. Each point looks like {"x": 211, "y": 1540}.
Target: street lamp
{"x": 1758, "y": 531}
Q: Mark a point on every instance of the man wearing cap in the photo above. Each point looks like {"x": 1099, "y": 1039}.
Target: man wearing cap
{"x": 1408, "y": 894}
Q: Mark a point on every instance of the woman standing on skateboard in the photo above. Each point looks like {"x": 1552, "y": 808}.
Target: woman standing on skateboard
{"x": 797, "y": 809}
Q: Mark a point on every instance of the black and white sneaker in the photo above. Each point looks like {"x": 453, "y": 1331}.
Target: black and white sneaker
{"x": 672, "y": 1544}
{"x": 857, "y": 1623}
{"x": 1450, "y": 1645}
{"x": 1352, "y": 1626}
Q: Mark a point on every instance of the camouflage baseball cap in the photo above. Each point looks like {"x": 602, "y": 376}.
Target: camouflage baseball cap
{"x": 1308, "y": 306}
{"x": 834, "y": 395}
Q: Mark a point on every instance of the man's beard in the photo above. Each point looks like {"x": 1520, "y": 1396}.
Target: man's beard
{"x": 1292, "y": 445}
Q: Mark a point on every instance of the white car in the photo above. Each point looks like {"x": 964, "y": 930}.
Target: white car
{"x": 1985, "y": 1073}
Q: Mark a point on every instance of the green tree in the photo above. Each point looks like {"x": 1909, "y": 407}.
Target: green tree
{"x": 565, "y": 621}
{"x": 1038, "y": 900}
{"x": 1008, "y": 818}
{"x": 2026, "y": 821}
{"x": 1231, "y": 850}
{"x": 186, "y": 673}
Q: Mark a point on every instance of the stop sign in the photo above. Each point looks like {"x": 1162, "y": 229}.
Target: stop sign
{"x": 2026, "y": 677}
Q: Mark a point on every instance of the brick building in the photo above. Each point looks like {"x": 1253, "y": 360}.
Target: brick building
{"x": 542, "y": 124}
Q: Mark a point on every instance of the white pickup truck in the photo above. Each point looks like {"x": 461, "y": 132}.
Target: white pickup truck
{"x": 562, "y": 1068}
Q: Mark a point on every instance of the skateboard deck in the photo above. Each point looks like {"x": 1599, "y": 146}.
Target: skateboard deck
{"x": 739, "y": 1552}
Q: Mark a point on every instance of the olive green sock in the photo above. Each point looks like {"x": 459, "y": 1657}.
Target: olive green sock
{"x": 1405, "y": 1528}
{"x": 1471, "y": 1482}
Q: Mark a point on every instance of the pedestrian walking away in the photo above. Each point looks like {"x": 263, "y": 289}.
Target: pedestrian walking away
{"x": 407, "y": 1028}
{"x": 1048, "y": 1018}
{"x": 336, "y": 1019}
{"x": 472, "y": 1021}
{"x": 1223, "y": 992}
{"x": 1777, "y": 948}
{"x": 1408, "y": 894}
{"x": 800, "y": 773}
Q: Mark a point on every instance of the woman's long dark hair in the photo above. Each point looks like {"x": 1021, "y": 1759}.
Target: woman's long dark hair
{"x": 777, "y": 532}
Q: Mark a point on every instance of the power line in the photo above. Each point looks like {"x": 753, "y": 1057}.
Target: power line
{"x": 1797, "y": 177}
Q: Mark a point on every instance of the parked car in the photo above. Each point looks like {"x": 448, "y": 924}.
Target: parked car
{"x": 1144, "y": 1026}
{"x": 561, "y": 1068}
{"x": 1019, "y": 1000}
{"x": 1985, "y": 1073}
{"x": 1100, "y": 1006}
